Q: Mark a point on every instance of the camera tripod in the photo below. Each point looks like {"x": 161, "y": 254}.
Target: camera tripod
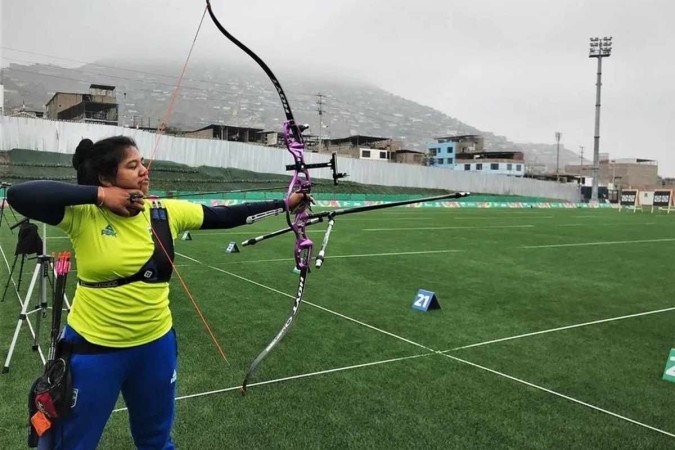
{"x": 44, "y": 265}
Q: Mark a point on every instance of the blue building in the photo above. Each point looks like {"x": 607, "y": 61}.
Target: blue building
{"x": 443, "y": 154}
{"x": 466, "y": 153}
{"x": 445, "y": 150}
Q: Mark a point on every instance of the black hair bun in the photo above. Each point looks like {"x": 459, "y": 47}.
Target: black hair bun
{"x": 82, "y": 152}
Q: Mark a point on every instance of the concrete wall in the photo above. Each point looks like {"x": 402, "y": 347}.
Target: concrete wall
{"x": 63, "y": 137}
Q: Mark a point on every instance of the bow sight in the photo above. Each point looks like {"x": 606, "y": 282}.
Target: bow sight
{"x": 295, "y": 131}
{"x": 332, "y": 164}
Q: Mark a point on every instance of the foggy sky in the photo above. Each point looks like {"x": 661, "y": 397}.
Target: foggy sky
{"x": 517, "y": 68}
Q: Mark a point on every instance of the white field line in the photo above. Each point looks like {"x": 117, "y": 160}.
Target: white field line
{"x": 427, "y": 218}
{"x": 589, "y": 216}
{"x": 558, "y": 394}
{"x": 606, "y": 220}
{"x": 582, "y": 244}
{"x": 568, "y": 327}
{"x": 473, "y": 213}
{"x": 295, "y": 377}
{"x": 365, "y": 255}
{"x": 498, "y": 218}
{"x": 449, "y": 228}
{"x": 512, "y": 217}
{"x": 368, "y": 255}
{"x": 305, "y": 301}
{"x": 606, "y": 224}
{"x": 430, "y": 352}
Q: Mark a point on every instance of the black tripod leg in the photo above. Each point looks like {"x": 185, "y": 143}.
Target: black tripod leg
{"x": 44, "y": 263}
{"x": 18, "y": 284}
{"x": 2, "y": 209}
{"x": 2, "y": 215}
{"x": 9, "y": 279}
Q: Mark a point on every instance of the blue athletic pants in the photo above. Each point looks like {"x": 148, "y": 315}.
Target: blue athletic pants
{"x": 146, "y": 377}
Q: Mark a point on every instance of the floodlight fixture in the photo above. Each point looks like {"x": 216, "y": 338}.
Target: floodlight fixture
{"x": 598, "y": 49}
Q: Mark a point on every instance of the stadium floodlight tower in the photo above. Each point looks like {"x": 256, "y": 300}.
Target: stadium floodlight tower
{"x": 600, "y": 48}
{"x": 557, "y": 156}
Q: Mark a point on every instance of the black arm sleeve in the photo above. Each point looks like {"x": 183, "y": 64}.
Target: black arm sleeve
{"x": 233, "y": 216}
{"x": 46, "y": 201}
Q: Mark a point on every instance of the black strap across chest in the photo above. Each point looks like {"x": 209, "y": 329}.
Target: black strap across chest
{"x": 159, "y": 267}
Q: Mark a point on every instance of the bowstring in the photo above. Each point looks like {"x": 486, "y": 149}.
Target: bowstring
{"x": 161, "y": 130}
{"x": 199, "y": 311}
{"x": 161, "y": 127}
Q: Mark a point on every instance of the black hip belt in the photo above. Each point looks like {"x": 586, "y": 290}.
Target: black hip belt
{"x": 87, "y": 348}
{"x": 103, "y": 284}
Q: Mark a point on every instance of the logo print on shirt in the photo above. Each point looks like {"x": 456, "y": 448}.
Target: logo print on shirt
{"x": 109, "y": 231}
{"x": 173, "y": 377}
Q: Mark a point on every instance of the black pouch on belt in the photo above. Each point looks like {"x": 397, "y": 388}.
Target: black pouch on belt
{"x": 51, "y": 395}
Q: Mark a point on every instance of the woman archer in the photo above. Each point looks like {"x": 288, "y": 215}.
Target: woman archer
{"x": 120, "y": 327}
